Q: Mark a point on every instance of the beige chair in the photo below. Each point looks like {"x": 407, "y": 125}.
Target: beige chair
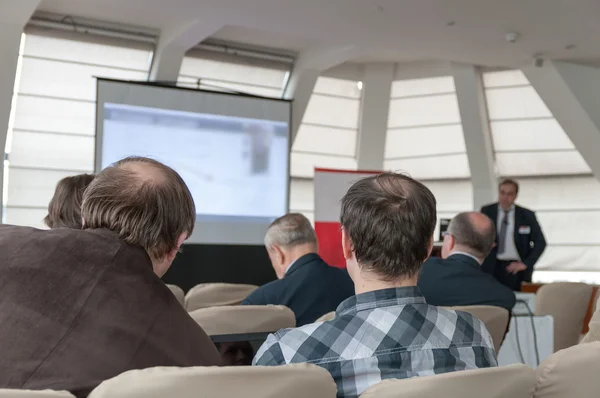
{"x": 4, "y": 393}
{"x": 178, "y": 293}
{"x": 567, "y": 303}
{"x": 244, "y": 319}
{"x": 594, "y": 333}
{"x": 216, "y": 294}
{"x": 514, "y": 381}
{"x": 289, "y": 381}
{"x": 570, "y": 373}
{"x": 327, "y": 317}
{"x": 494, "y": 318}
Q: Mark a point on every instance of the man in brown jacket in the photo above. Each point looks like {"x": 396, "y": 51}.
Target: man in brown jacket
{"x": 80, "y": 306}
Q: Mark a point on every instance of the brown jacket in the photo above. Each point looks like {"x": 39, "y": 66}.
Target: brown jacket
{"x": 79, "y": 307}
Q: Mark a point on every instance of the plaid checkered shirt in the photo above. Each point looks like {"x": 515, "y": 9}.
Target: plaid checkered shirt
{"x": 384, "y": 334}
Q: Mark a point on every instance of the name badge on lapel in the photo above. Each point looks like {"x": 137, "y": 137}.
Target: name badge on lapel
{"x": 525, "y": 230}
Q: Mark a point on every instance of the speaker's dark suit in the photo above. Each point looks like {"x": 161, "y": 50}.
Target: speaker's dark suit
{"x": 529, "y": 241}
{"x": 459, "y": 280}
{"x": 310, "y": 288}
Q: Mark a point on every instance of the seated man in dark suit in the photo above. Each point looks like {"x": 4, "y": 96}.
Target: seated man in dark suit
{"x": 81, "y": 306}
{"x": 456, "y": 278}
{"x": 306, "y": 284}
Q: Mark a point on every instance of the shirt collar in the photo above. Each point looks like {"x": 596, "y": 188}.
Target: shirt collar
{"x": 510, "y": 209}
{"x": 466, "y": 254}
{"x": 381, "y": 298}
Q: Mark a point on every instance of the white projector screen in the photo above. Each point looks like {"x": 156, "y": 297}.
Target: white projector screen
{"x": 231, "y": 150}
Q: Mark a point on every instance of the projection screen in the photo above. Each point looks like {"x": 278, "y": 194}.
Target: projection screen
{"x": 231, "y": 150}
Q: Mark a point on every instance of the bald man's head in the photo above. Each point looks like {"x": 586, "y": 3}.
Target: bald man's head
{"x": 145, "y": 202}
{"x": 473, "y": 233}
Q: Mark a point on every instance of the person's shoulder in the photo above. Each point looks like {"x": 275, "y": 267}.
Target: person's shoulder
{"x": 467, "y": 326}
{"x": 294, "y": 337}
{"x": 266, "y": 292}
{"x": 525, "y": 210}
{"x": 488, "y": 207}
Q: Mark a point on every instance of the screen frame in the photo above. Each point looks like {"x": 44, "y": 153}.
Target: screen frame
{"x": 98, "y": 137}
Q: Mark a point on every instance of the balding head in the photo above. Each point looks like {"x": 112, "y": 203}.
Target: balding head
{"x": 146, "y": 203}
{"x": 470, "y": 232}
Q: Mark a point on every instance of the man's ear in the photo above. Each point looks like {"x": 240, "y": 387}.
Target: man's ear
{"x": 278, "y": 253}
{"x": 180, "y": 240}
{"x": 347, "y": 245}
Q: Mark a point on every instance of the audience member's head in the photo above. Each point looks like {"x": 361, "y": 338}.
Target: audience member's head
{"x": 64, "y": 210}
{"x": 387, "y": 230}
{"x": 146, "y": 203}
{"x": 507, "y": 193}
{"x": 289, "y": 238}
{"x": 471, "y": 232}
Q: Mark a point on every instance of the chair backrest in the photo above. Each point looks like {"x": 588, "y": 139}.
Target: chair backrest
{"x": 244, "y": 319}
{"x": 567, "y": 303}
{"x": 327, "y": 317}
{"x": 494, "y": 318}
{"x": 594, "y": 333}
{"x": 572, "y": 372}
{"x": 289, "y": 381}
{"x": 216, "y": 294}
{"x": 178, "y": 293}
{"x": 514, "y": 381}
{"x": 6, "y": 393}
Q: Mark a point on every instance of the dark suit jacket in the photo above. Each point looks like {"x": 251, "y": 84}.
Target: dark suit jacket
{"x": 529, "y": 246}
{"x": 310, "y": 288}
{"x": 79, "y": 307}
{"x": 459, "y": 280}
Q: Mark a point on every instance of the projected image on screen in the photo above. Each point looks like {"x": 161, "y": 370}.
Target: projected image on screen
{"x": 236, "y": 168}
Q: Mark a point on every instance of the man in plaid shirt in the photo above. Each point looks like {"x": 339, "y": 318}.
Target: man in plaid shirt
{"x": 386, "y": 330}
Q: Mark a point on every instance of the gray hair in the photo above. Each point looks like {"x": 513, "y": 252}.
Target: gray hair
{"x": 290, "y": 230}
{"x": 473, "y": 231}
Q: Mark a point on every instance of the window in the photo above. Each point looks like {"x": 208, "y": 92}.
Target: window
{"x": 326, "y": 138}
{"x": 223, "y": 72}
{"x": 555, "y": 180}
{"x": 52, "y": 132}
{"x": 425, "y": 139}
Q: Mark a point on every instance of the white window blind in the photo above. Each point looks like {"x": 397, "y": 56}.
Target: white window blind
{"x": 326, "y": 138}
{"x": 425, "y": 137}
{"x": 52, "y": 135}
{"x": 555, "y": 180}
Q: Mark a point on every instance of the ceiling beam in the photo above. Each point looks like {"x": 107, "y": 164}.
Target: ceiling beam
{"x": 475, "y": 125}
{"x": 309, "y": 66}
{"x": 173, "y": 43}
{"x": 571, "y": 93}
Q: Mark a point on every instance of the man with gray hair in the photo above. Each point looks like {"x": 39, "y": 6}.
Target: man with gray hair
{"x": 456, "y": 278}
{"x": 306, "y": 284}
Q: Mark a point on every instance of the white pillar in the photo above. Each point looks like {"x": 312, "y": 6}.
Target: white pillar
{"x": 173, "y": 43}
{"x": 13, "y": 18}
{"x": 572, "y": 93}
{"x": 307, "y": 69}
{"x": 300, "y": 88}
{"x": 375, "y": 106}
{"x": 475, "y": 124}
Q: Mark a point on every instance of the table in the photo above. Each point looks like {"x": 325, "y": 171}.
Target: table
{"x": 544, "y": 331}
{"x": 525, "y": 303}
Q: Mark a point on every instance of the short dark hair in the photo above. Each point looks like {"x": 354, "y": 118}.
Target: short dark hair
{"x": 509, "y": 181}
{"x": 290, "y": 230}
{"x": 390, "y": 219}
{"x": 64, "y": 210}
{"x": 144, "y": 201}
{"x": 479, "y": 239}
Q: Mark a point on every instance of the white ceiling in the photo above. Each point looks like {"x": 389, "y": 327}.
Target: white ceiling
{"x": 383, "y": 30}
